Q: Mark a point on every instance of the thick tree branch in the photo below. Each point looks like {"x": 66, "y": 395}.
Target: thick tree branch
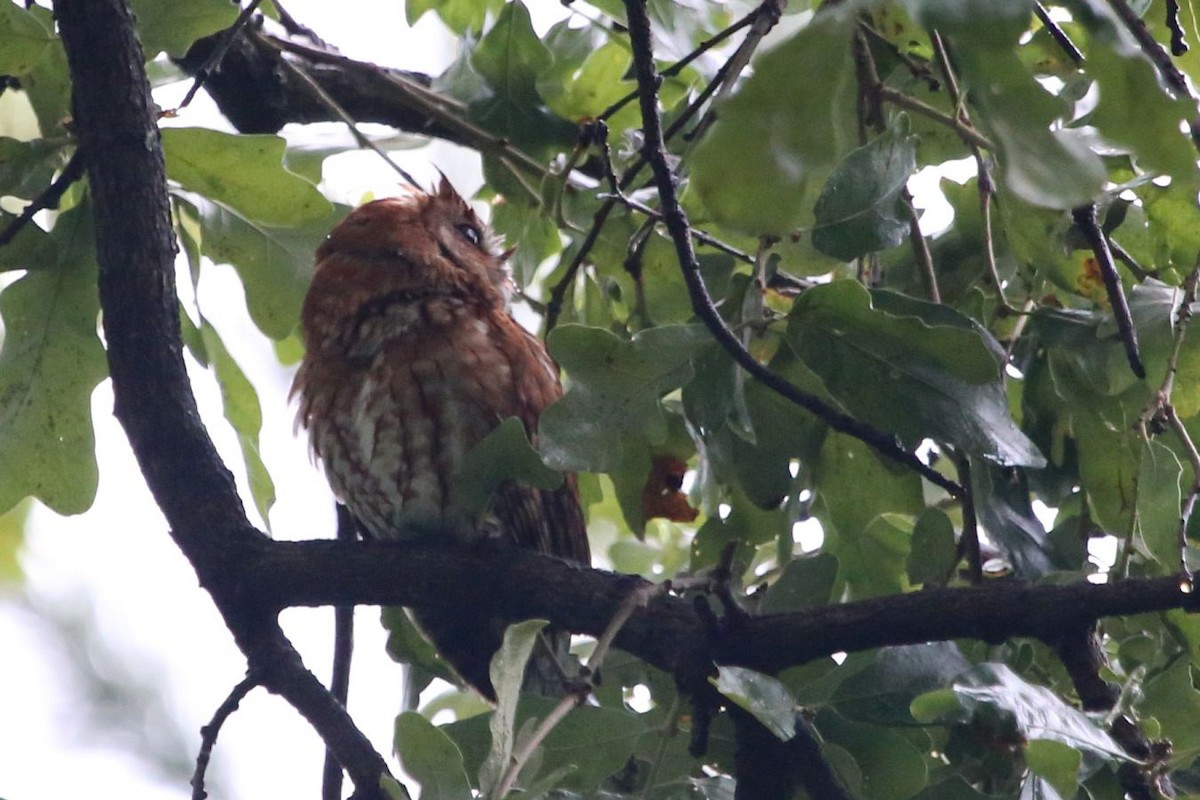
{"x": 259, "y": 97}
{"x": 668, "y": 632}
{"x": 115, "y": 121}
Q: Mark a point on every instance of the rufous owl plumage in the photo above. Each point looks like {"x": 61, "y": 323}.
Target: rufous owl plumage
{"x": 412, "y": 358}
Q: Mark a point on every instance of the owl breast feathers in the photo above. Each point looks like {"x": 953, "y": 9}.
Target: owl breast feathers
{"x": 411, "y": 359}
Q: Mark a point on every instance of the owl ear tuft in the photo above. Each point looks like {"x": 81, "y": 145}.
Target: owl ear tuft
{"x": 445, "y": 190}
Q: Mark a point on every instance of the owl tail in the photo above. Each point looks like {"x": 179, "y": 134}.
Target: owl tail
{"x": 468, "y": 642}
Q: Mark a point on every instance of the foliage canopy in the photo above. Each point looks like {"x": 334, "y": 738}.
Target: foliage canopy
{"x": 822, "y": 357}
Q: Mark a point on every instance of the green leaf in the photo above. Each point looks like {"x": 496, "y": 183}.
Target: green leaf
{"x": 460, "y": 16}
{"x": 244, "y": 413}
{"x": 31, "y": 249}
{"x": 934, "y": 551}
{"x": 1156, "y": 518}
{"x": 1134, "y": 109}
{"x": 746, "y": 524}
{"x": 1170, "y": 697}
{"x": 1056, "y": 762}
{"x": 12, "y": 542}
{"x": 907, "y": 376}
{"x": 25, "y": 39}
{"x": 1034, "y": 787}
{"x": 392, "y": 788}
{"x": 244, "y": 173}
{"x": 870, "y": 553}
{"x": 50, "y": 362}
{"x": 431, "y": 757}
{"x": 406, "y": 645}
{"x": 766, "y": 698}
{"x": 172, "y": 25}
{"x": 779, "y": 135}
{"x": 804, "y": 583}
{"x": 1040, "y": 162}
{"x": 275, "y": 264}
{"x": 578, "y": 89}
{"x": 860, "y": 210}
{"x": 507, "y": 672}
{"x": 1037, "y": 712}
{"x": 889, "y": 766}
{"x": 591, "y": 741}
{"x": 907, "y": 327}
{"x": 934, "y": 705}
{"x": 504, "y": 455}
{"x": 531, "y": 231}
{"x": 1155, "y": 307}
{"x": 510, "y": 57}
{"x": 1005, "y": 511}
{"x": 883, "y": 692}
{"x": 48, "y": 84}
{"x": 26, "y": 167}
{"x": 612, "y": 402}
{"x": 983, "y": 22}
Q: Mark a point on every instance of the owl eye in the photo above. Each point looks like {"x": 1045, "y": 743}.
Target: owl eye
{"x": 470, "y": 233}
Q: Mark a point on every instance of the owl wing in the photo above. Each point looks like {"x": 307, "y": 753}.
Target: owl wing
{"x": 546, "y": 520}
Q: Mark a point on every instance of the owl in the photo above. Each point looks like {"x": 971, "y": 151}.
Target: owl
{"x": 412, "y": 358}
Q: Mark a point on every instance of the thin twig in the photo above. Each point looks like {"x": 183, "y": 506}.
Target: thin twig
{"x": 921, "y": 247}
{"x": 965, "y": 132}
{"x": 983, "y": 178}
{"x": 897, "y": 98}
{"x": 699, "y": 235}
{"x": 638, "y": 598}
{"x": 1085, "y": 218}
{"x": 669, "y": 731}
{"x": 49, "y": 198}
{"x": 1131, "y": 263}
{"x": 343, "y": 653}
{"x": 1058, "y": 34}
{"x": 676, "y": 221}
{"x": 327, "y": 100}
{"x": 766, "y": 18}
{"x": 918, "y": 70}
{"x": 218, "y": 53}
{"x": 1189, "y": 501}
{"x": 1163, "y": 408}
{"x": 208, "y": 733}
{"x": 558, "y": 292}
{"x": 969, "y": 542}
{"x": 296, "y": 28}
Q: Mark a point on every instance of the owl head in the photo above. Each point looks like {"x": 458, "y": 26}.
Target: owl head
{"x": 431, "y": 243}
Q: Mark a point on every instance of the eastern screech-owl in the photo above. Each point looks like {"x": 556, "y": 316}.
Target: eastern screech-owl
{"x": 412, "y": 359}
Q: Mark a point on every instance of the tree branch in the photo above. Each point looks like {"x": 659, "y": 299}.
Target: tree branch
{"x": 115, "y": 120}
{"x": 668, "y": 633}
